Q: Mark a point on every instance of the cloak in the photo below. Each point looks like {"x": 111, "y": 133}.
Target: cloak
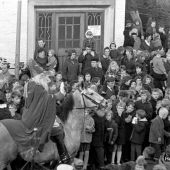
{"x": 39, "y": 112}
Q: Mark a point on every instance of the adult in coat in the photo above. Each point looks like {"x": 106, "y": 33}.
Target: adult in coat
{"x": 157, "y": 131}
{"x": 71, "y": 67}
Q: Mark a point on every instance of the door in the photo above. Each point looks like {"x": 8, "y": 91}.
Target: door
{"x": 69, "y": 34}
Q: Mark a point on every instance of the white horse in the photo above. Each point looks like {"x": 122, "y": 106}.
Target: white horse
{"x": 72, "y": 127}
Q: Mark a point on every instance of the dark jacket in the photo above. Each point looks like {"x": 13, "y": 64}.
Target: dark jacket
{"x": 110, "y": 134}
{"x": 150, "y": 163}
{"x": 144, "y": 46}
{"x": 138, "y": 132}
{"x": 109, "y": 93}
{"x": 98, "y": 135}
{"x": 147, "y": 107}
{"x": 130, "y": 66}
{"x": 86, "y": 61}
{"x": 105, "y": 63}
{"x": 70, "y": 70}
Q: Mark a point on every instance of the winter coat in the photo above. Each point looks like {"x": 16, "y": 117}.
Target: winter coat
{"x": 157, "y": 131}
{"x": 86, "y": 61}
{"x": 138, "y": 132}
{"x": 70, "y": 70}
{"x": 88, "y": 129}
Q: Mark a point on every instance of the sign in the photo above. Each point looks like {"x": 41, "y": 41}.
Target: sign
{"x": 96, "y": 29}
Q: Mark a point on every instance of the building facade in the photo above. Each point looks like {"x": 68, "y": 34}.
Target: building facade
{"x": 63, "y": 23}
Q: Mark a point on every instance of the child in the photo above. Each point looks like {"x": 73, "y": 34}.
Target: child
{"x": 156, "y": 95}
{"x": 128, "y": 116}
{"x": 138, "y": 133}
{"x": 139, "y": 71}
{"x": 95, "y": 83}
{"x": 113, "y": 51}
{"x": 89, "y": 40}
{"x": 140, "y": 163}
{"x": 86, "y": 138}
{"x": 111, "y": 132}
{"x": 148, "y": 83}
{"x": 87, "y": 81}
{"x": 13, "y": 112}
{"x": 121, "y": 131}
{"x": 52, "y": 61}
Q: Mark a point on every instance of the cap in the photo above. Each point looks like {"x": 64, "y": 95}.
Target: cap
{"x": 95, "y": 59}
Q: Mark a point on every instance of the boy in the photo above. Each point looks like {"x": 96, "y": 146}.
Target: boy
{"x": 138, "y": 133}
{"x": 86, "y": 138}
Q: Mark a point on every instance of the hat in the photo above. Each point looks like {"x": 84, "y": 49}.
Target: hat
{"x": 64, "y": 167}
{"x": 94, "y": 59}
{"x": 110, "y": 79}
{"x": 71, "y": 51}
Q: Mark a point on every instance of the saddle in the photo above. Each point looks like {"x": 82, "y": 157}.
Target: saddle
{"x": 48, "y": 153}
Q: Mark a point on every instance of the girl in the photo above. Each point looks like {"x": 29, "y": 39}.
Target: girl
{"x": 117, "y": 116}
{"x": 86, "y": 138}
{"x": 111, "y": 133}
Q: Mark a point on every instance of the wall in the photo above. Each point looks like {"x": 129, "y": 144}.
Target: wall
{"x": 119, "y": 21}
{"x": 8, "y": 20}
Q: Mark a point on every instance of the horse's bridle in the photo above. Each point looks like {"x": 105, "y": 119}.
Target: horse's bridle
{"x": 92, "y": 100}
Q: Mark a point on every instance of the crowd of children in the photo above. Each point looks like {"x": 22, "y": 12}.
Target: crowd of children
{"x": 134, "y": 79}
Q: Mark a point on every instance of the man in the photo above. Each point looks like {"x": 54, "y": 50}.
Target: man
{"x": 40, "y": 45}
{"x": 109, "y": 91}
{"x": 86, "y": 57}
{"x": 157, "y": 132}
{"x": 71, "y": 67}
{"x": 4, "y": 75}
{"x": 94, "y": 70}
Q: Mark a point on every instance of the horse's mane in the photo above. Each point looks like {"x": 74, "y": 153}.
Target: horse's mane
{"x": 66, "y": 106}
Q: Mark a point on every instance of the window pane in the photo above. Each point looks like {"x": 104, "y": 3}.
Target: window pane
{"x": 76, "y": 32}
{"x": 61, "y": 44}
{"x": 76, "y": 44}
{"x": 69, "y": 20}
{"x": 61, "y": 32}
{"x": 68, "y": 44}
{"x": 76, "y": 20}
{"x": 69, "y": 32}
{"x": 62, "y": 20}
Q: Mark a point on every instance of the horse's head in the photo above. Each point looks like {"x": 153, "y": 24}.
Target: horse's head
{"x": 92, "y": 99}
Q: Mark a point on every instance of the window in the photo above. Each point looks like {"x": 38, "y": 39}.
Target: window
{"x": 69, "y": 32}
{"x": 44, "y": 27}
